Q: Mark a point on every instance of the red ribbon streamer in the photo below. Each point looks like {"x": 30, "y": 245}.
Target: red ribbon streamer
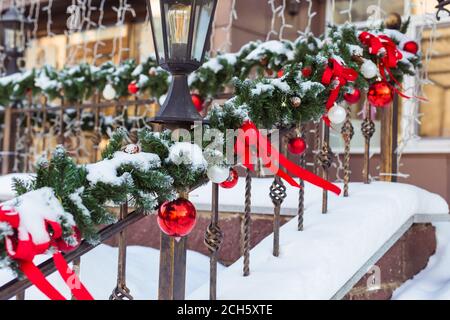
{"x": 249, "y": 136}
{"x": 335, "y": 72}
{"x": 21, "y": 248}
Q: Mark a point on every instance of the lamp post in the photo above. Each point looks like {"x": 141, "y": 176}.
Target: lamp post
{"x": 181, "y": 30}
{"x": 13, "y": 34}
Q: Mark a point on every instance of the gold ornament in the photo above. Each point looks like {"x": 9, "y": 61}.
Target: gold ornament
{"x": 264, "y": 61}
{"x": 393, "y": 21}
{"x": 152, "y": 72}
{"x": 296, "y": 102}
{"x": 358, "y": 59}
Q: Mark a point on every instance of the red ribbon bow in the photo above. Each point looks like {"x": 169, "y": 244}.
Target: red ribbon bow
{"x": 389, "y": 55}
{"x": 249, "y": 137}
{"x": 339, "y": 74}
{"x": 23, "y": 249}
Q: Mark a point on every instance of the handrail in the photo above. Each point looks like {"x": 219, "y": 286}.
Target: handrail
{"x": 100, "y": 105}
{"x": 17, "y": 286}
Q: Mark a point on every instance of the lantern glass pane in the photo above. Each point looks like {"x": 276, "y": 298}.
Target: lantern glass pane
{"x": 157, "y": 28}
{"x": 203, "y": 16}
{"x": 11, "y": 39}
{"x": 178, "y": 16}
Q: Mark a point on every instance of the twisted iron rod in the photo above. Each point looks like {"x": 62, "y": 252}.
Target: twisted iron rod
{"x": 213, "y": 241}
{"x": 368, "y": 130}
{"x": 347, "y": 134}
{"x": 247, "y": 223}
{"x": 121, "y": 291}
{"x": 301, "y": 196}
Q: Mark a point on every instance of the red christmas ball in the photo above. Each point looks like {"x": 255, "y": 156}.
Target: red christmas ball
{"x": 353, "y": 97}
{"x": 297, "y": 145}
{"x": 63, "y": 246}
{"x": 197, "y": 100}
{"x": 280, "y": 73}
{"x": 307, "y": 72}
{"x": 411, "y": 47}
{"x": 177, "y": 218}
{"x": 133, "y": 88}
{"x": 380, "y": 94}
{"x": 232, "y": 180}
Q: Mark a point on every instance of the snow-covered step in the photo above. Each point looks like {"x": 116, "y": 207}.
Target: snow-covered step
{"x": 320, "y": 261}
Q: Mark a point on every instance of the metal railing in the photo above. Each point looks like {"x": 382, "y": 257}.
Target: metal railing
{"x": 31, "y": 130}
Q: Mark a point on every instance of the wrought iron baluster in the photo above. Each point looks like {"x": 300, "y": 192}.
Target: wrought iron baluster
{"x": 301, "y": 194}
{"x": 325, "y": 158}
{"x": 135, "y": 126}
{"x": 121, "y": 292}
{"x": 44, "y": 127}
{"x": 277, "y": 194}
{"x": 28, "y": 143}
{"x": 368, "y": 130}
{"x": 97, "y": 137}
{"x": 247, "y": 223}
{"x": 213, "y": 241}
{"x": 347, "y": 132}
{"x": 76, "y": 270}
{"x": 21, "y": 296}
{"x": 317, "y": 148}
{"x": 61, "y": 136}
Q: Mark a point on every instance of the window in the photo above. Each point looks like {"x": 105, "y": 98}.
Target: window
{"x": 361, "y": 9}
{"x": 435, "y": 120}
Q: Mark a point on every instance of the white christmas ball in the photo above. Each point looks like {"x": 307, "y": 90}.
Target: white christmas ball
{"x": 337, "y": 114}
{"x": 218, "y": 174}
{"x": 162, "y": 99}
{"x": 109, "y": 92}
{"x": 369, "y": 69}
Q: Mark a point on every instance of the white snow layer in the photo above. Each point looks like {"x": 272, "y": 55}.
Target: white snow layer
{"x": 432, "y": 283}
{"x": 99, "y": 273}
{"x": 106, "y": 170}
{"x": 34, "y": 208}
{"x": 189, "y": 154}
{"x": 316, "y": 263}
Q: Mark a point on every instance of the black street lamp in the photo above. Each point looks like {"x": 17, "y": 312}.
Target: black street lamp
{"x": 13, "y": 33}
{"x": 181, "y": 30}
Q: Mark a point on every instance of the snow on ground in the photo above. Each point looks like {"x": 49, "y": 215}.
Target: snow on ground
{"x": 232, "y": 200}
{"x": 99, "y": 273}
{"x": 432, "y": 283}
{"x": 316, "y": 263}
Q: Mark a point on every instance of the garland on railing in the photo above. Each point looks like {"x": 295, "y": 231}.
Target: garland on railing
{"x": 146, "y": 175}
{"x": 265, "y": 59}
{"x": 313, "y": 76}
{"x": 331, "y": 70}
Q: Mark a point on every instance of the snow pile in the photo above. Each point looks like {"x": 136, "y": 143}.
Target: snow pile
{"x": 189, "y": 154}
{"x": 433, "y": 283}
{"x": 106, "y": 170}
{"x": 275, "y": 47}
{"x": 99, "y": 273}
{"x": 316, "y": 263}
